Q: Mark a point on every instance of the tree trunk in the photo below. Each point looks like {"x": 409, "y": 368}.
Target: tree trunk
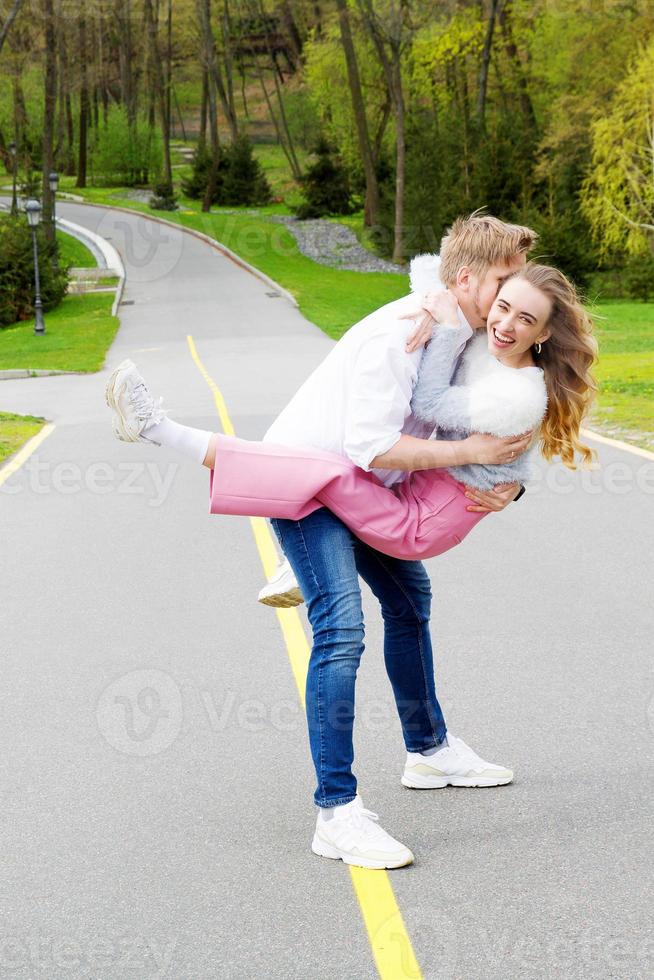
{"x": 211, "y": 59}
{"x": 485, "y": 62}
{"x": 202, "y": 139}
{"x": 400, "y": 158}
{"x": 160, "y": 88}
{"x": 84, "y": 107}
{"x": 371, "y": 205}
{"x": 49, "y": 107}
{"x": 11, "y": 16}
{"x": 212, "y": 183}
{"x": 512, "y": 53}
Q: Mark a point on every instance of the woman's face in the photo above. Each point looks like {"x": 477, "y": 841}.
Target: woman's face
{"x": 517, "y": 320}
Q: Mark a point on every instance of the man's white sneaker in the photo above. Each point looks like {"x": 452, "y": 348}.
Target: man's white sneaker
{"x": 133, "y": 406}
{"x": 282, "y": 591}
{"x": 454, "y": 765}
{"x": 350, "y": 833}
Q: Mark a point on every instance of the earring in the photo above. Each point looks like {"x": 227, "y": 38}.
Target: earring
{"x": 538, "y": 348}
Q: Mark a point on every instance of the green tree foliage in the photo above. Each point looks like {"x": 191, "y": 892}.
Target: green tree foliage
{"x": 240, "y": 179}
{"x": 618, "y": 195}
{"x": 124, "y": 154}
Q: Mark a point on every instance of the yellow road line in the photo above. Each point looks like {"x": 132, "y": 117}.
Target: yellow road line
{"x": 636, "y": 450}
{"x": 24, "y": 454}
{"x": 391, "y": 946}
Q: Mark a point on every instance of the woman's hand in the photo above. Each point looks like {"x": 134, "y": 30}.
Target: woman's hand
{"x": 495, "y": 450}
{"x": 491, "y": 501}
{"x": 439, "y": 307}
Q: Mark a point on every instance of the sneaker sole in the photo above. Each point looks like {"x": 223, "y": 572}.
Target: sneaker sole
{"x": 283, "y": 600}
{"x": 322, "y": 849}
{"x": 470, "y": 782}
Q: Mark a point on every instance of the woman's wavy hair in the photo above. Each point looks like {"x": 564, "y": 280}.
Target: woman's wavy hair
{"x": 566, "y": 359}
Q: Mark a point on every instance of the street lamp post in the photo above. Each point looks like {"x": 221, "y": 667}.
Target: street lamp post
{"x": 13, "y": 149}
{"x": 53, "y": 180}
{"x": 33, "y": 209}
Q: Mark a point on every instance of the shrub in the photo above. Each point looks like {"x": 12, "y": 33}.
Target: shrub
{"x": 325, "y": 186}
{"x": 243, "y": 181}
{"x": 17, "y": 271}
{"x": 163, "y": 198}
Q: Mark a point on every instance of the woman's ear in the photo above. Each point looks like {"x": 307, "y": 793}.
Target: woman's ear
{"x": 546, "y": 334}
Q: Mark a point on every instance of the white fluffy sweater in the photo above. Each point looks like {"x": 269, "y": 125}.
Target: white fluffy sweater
{"x": 479, "y": 395}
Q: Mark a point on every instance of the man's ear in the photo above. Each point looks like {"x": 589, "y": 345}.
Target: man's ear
{"x": 463, "y": 278}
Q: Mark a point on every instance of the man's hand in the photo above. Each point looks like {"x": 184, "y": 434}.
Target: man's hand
{"x": 492, "y": 451}
{"x": 441, "y": 307}
{"x": 488, "y": 501}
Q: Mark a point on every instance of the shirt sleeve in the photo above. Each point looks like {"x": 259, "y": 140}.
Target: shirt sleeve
{"x": 435, "y": 400}
{"x": 380, "y": 399}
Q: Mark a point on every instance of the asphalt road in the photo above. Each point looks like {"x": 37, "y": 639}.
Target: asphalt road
{"x": 156, "y": 779}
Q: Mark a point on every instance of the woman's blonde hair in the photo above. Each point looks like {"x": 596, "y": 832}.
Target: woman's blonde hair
{"x": 566, "y": 358}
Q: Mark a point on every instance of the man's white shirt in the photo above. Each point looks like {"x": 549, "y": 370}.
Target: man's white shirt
{"x": 357, "y": 402}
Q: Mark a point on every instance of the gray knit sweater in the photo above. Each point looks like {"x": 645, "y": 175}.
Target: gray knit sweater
{"x": 483, "y": 396}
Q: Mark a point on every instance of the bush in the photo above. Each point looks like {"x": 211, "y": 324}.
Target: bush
{"x": 17, "y": 271}
{"x": 325, "y": 186}
{"x": 638, "y": 276}
{"x": 240, "y": 180}
{"x": 123, "y": 155}
{"x": 163, "y": 198}
{"x": 244, "y": 181}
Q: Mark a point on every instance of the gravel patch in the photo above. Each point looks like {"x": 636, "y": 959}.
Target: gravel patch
{"x": 335, "y": 245}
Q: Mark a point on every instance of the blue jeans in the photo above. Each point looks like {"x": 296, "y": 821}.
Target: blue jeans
{"x": 327, "y": 560}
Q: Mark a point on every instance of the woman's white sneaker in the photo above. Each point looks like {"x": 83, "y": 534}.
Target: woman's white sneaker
{"x": 456, "y": 764}
{"x": 133, "y": 406}
{"x": 351, "y": 834}
{"x": 282, "y": 591}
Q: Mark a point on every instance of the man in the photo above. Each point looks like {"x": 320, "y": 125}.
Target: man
{"x": 357, "y": 403}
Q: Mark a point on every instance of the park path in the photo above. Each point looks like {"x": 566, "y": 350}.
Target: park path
{"x": 156, "y": 778}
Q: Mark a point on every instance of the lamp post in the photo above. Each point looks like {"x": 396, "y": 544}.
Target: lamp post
{"x": 53, "y": 180}
{"x": 13, "y": 149}
{"x": 33, "y": 209}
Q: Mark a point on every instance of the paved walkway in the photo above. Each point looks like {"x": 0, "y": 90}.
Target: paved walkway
{"x": 156, "y": 778}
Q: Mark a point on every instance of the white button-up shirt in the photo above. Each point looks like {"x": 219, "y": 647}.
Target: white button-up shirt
{"x": 357, "y": 402}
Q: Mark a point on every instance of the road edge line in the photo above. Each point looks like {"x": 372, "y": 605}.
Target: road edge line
{"x": 617, "y": 443}
{"x": 18, "y": 459}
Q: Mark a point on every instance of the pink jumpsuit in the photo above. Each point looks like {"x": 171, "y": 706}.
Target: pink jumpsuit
{"x": 421, "y": 517}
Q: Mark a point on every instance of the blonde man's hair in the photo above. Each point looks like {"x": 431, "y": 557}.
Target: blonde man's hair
{"x": 479, "y": 242}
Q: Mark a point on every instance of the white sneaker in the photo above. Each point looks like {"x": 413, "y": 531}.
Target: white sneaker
{"x": 454, "y": 765}
{"x": 282, "y": 590}
{"x": 352, "y": 835}
{"x": 134, "y": 407}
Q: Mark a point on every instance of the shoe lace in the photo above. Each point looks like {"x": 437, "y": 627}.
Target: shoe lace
{"x": 143, "y": 403}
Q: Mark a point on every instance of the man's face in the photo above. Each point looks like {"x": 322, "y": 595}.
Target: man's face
{"x": 476, "y": 296}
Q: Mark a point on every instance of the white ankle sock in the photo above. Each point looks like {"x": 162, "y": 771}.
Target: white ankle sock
{"x": 184, "y": 438}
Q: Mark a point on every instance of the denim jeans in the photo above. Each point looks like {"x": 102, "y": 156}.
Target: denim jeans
{"x": 328, "y": 560}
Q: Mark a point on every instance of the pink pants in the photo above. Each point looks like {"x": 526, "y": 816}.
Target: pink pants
{"x": 423, "y": 516}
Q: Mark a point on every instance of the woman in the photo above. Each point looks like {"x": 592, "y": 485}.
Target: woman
{"x": 531, "y": 369}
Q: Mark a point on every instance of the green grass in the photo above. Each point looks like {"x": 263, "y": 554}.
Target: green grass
{"x": 15, "y": 430}
{"x": 78, "y": 333}
{"x": 625, "y": 407}
{"x": 73, "y": 252}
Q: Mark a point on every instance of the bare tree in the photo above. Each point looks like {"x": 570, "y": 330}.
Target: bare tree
{"x": 84, "y": 107}
{"x": 10, "y": 18}
{"x": 49, "y": 109}
{"x": 371, "y": 205}
{"x": 485, "y": 62}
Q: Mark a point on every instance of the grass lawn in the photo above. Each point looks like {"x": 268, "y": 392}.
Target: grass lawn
{"x": 78, "y": 333}
{"x": 16, "y": 430}
{"x": 625, "y": 407}
{"x": 73, "y": 252}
